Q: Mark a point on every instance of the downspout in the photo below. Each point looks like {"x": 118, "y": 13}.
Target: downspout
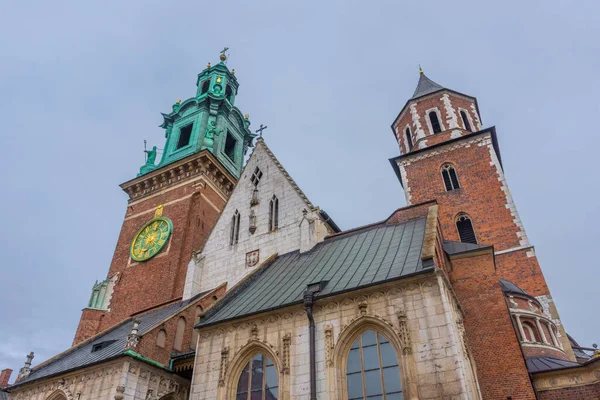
{"x": 309, "y": 298}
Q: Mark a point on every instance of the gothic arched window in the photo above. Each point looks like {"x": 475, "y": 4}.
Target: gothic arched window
{"x": 435, "y": 122}
{"x": 259, "y": 380}
{"x": 178, "y": 343}
{"x": 450, "y": 177}
{"x": 205, "y": 86}
{"x": 529, "y": 331}
{"x": 409, "y": 143}
{"x": 465, "y": 229}
{"x": 465, "y": 119}
{"x": 194, "y": 331}
{"x": 273, "y": 214}
{"x": 372, "y": 370}
{"x": 234, "y": 235}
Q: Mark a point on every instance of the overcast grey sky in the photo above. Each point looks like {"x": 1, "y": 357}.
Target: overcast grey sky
{"x": 82, "y": 84}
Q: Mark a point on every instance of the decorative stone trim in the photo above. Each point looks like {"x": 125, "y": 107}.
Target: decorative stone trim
{"x": 404, "y": 333}
{"x": 287, "y": 339}
{"x": 202, "y": 163}
{"x": 586, "y": 374}
{"x": 329, "y": 345}
{"x": 224, "y": 366}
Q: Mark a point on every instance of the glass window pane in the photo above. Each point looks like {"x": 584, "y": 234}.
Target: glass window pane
{"x": 257, "y": 395}
{"x": 353, "y": 364}
{"x": 375, "y": 397}
{"x": 241, "y": 396}
{"x": 368, "y": 338}
{"x": 355, "y": 389}
{"x": 373, "y": 382}
{"x": 269, "y": 361}
{"x": 257, "y": 373}
{"x": 243, "y": 381}
{"x": 382, "y": 339}
{"x": 355, "y": 345}
{"x": 370, "y": 358}
{"x": 271, "y": 394}
{"x": 395, "y": 396}
{"x": 388, "y": 355}
{"x": 392, "y": 379}
{"x": 272, "y": 378}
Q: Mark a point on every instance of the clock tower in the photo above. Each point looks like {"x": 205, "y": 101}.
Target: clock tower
{"x": 173, "y": 204}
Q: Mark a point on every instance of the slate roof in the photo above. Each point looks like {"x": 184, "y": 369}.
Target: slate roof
{"x": 509, "y": 287}
{"x": 452, "y": 248}
{"x": 425, "y": 86}
{"x": 81, "y": 356}
{"x": 541, "y": 364}
{"x": 347, "y": 261}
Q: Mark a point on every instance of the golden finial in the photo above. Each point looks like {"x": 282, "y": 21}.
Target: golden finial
{"x": 233, "y": 71}
{"x": 247, "y": 116}
{"x": 208, "y": 65}
{"x": 178, "y": 101}
{"x": 158, "y": 212}
{"x": 420, "y": 70}
{"x": 223, "y": 57}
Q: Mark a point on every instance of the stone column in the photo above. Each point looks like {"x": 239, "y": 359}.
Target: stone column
{"x": 523, "y": 337}
{"x": 542, "y": 334}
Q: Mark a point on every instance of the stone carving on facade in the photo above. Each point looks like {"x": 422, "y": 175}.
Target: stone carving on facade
{"x": 252, "y": 258}
{"x": 404, "y": 333}
{"x": 120, "y": 395}
{"x": 287, "y": 340}
{"x": 362, "y": 308}
{"x": 133, "y": 338}
{"x": 224, "y": 365}
{"x": 329, "y": 345}
{"x": 254, "y": 332}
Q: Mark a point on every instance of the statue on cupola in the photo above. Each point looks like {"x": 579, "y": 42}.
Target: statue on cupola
{"x": 208, "y": 121}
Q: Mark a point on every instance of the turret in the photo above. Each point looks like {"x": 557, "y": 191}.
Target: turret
{"x": 433, "y": 115}
{"x": 209, "y": 120}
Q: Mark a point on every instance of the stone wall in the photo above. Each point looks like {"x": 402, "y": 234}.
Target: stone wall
{"x": 418, "y": 316}
{"x": 220, "y": 261}
{"x": 132, "y": 379}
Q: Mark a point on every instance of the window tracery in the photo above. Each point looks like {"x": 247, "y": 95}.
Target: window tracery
{"x": 259, "y": 380}
{"x": 450, "y": 177}
{"x": 465, "y": 229}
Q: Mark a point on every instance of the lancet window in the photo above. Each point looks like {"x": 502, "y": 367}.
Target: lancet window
{"x": 372, "y": 370}
{"x": 273, "y": 214}
{"x": 234, "y": 234}
{"x": 465, "y": 119}
{"x": 450, "y": 178}
{"x": 409, "y": 143}
{"x": 465, "y": 229}
{"x": 435, "y": 122}
{"x": 259, "y": 380}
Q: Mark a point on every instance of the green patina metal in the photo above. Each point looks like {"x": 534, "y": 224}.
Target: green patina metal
{"x": 207, "y": 121}
{"x": 147, "y": 360}
{"x": 99, "y": 293}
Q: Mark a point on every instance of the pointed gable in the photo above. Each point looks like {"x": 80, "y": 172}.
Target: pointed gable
{"x": 266, "y": 214}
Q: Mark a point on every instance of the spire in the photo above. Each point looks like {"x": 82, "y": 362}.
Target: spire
{"x": 425, "y": 85}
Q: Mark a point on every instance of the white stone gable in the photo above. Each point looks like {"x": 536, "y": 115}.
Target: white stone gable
{"x": 221, "y": 261}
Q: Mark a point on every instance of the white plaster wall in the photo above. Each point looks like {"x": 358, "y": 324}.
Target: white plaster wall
{"x": 101, "y": 382}
{"x": 439, "y": 357}
{"x": 221, "y": 262}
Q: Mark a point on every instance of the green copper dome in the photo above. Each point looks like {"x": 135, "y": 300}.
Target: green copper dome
{"x": 209, "y": 120}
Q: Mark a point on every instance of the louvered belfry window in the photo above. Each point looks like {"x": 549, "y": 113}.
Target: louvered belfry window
{"x": 450, "y": 177}
{"x": 409, "y": 143}
{"x": 465, "y": 119}
{"x": 465, "y": 229}
{"x": 435, "y": 122}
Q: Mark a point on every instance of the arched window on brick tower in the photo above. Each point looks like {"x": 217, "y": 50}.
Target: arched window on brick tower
{"x": 409, "y": 143}
{"x": 465, "y": 229}
{"x": 465, "y": 119}
{"x": 530, "y": 332}
{"x": 435, "y": 122}
{"x": 450, "y": 178}
{"x": 178, "y": 343}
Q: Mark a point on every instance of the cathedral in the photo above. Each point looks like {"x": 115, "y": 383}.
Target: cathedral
{"x": 227, "y": 282}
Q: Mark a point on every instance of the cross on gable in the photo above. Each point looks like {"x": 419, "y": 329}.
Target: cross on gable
{"x": 261, "y": 129}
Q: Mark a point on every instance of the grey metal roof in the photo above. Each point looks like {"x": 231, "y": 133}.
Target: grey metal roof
{"x": 425, "y": 86}
{"x": 4, "y": 395}
{"x": 452, "y": 248}
{"x": 81, "y": 356}
{"x": 541, "y": 364}
{"x": 347, "y": 261}
{"x": 509, "y": 287}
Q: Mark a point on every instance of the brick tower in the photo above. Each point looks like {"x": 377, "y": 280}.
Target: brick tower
{"x": 446, "y": 155}
{"x": 173, "y": 205}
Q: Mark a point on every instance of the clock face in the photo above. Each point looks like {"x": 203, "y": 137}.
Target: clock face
{"x": 150, "y": 240}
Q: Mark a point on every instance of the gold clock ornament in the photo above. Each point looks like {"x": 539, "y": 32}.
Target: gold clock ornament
{"x": 151, "y": 239}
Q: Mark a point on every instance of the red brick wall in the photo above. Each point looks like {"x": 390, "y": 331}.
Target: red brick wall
{"x": 588, "y": 392}
{"x": 410, "y": 212}
{"x": 147, "y": 345}
{"x": 500, "y": 365}
{"x": 145, "y": 285}
{"x": 89, "y": 325}
{"x": 5, "y": 377}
